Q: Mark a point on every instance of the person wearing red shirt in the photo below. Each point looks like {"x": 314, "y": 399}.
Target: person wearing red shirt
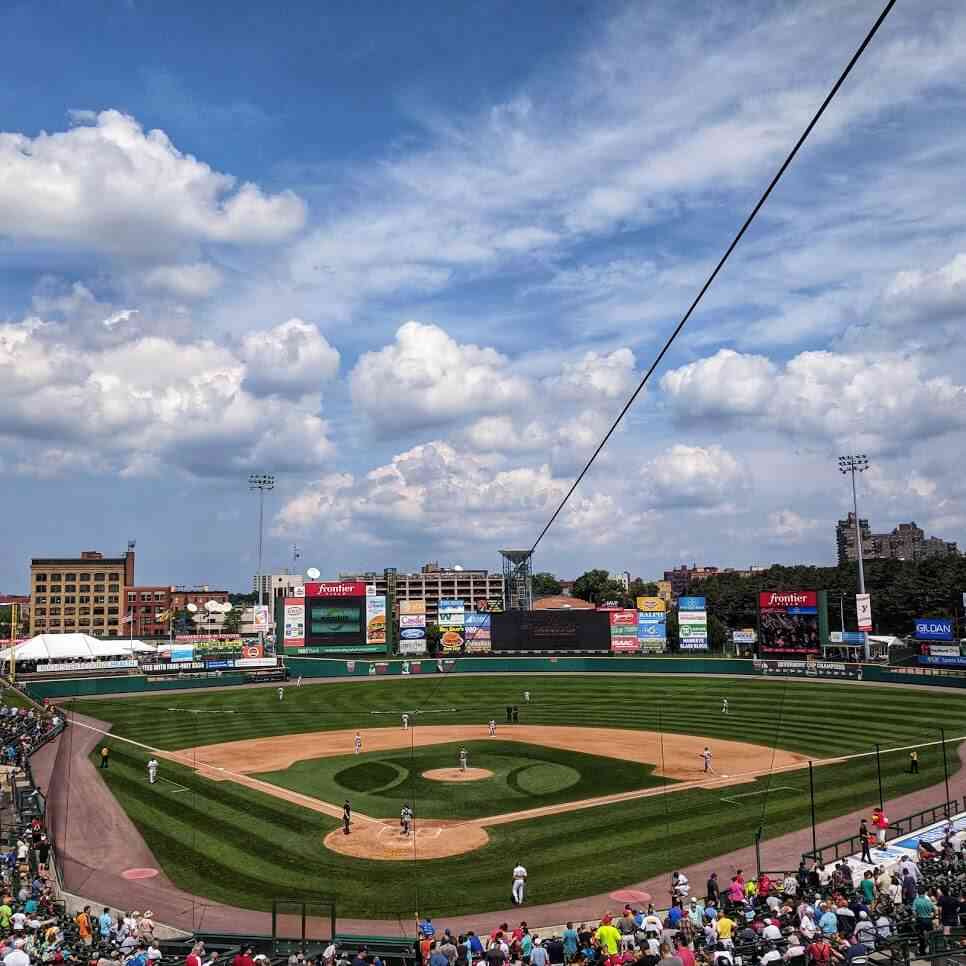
{"x": 820, "y": 952}
{"x": 244, "y": 958}
{"x": 684, "y": 953}
{"x": 194, "y": 957}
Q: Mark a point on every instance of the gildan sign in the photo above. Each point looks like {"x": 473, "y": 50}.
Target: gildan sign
{"x": 335, "y": 588}
{"x": 934, "y": 629}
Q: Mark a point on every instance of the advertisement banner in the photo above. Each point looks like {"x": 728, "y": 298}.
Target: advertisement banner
{"x": 625, "y": 645}
{"x": 451, "y": 642}
{"x": 691, "y": 603}
{"x": 944, "y": 650}
{"x": 182, "y": 652}
{"x": 811, "y": 668}
{"x": 664, "y": 590}
{"x": 746, "y": 635}
{"x": 493, "y": 605}
{"x": 651, "y": 632}
{"x": 375, "y": 619}
{"x": 252, "y": 650}
{"x": 451, "y": 613}
{"x": 478, "y": 621}
{"x": 260, "y": 617}
{"x": 477, "y": 645}
{"x": 412, "y": 620}
{"x": 651, "y": 604}
{"x": 693, "y": 643}
{"x": 412, "y": 607}
{"x": 657, "y": 645}
{"x": 412, "y": 647}
{"x": 255, "y": 662}
{"x": 863, "y": 610}
{"x": 929, "y": 661}
{"x": 788, "y": 622}
{"x": 846, "y": 637}
{"x": 293, "y": 631}
{"x": 622, "y": 618}
{"x": 692, "y": 629}
{"x": 335, "y": 588}
{"x": 934, "y": 629}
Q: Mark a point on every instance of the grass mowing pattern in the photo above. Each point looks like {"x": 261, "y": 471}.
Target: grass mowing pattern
{"x": 524, "y": 776}
{"x": 236, "y": 845}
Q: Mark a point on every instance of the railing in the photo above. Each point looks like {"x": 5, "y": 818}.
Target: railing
{"x": 901, "y": 826}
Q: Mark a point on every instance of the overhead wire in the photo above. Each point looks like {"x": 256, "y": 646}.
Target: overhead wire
{"x": 718, "y": 267}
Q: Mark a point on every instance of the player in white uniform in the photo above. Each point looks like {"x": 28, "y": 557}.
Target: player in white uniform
{"x": 405, "y": 819}
{"x": 492, "y": 727}
{"x": 464, "y": 756}
{"x": 526, "y": 697}
{"x": 707, "y": 756}
{"x": 405, "y": 721}
{"x": 281, "y": 693}
{"x": 357, "y": 742}
{"x": 298, "y": 683}
{"x": 153, "y": 770}
{"x": 519, "y": 883}
{"x": 724, "y": 705}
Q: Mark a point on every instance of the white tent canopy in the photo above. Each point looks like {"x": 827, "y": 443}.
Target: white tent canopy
{"x": 68, "y": 647}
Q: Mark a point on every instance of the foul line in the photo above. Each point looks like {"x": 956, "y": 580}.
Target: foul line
{"x": 761, "y": 791}
{"x": 181, "y": 788}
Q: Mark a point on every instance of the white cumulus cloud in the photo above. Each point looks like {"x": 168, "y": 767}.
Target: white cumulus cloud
{"x": 291, "y": 360}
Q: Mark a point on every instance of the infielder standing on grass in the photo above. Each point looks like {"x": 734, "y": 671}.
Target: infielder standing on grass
{"x": 707, "y": 756}
{"x": 492, "y": 727}
{"x": 405, "y": 721}
{"x": 519, "y": 884}
{"x": 357, "y": 742}
{"x": 153, "y": 770}
{"x": 463, "y": 758}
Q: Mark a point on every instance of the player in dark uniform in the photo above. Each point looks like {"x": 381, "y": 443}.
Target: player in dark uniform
{"x": 346, "y": 817}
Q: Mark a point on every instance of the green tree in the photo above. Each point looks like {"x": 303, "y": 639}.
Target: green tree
{"x": 545, "y": 585}
{"x": 433, "y": 634}
{"x": 232, "y": 622}
{"x": 597, "y": 587}
{"x": 641, "y": 588}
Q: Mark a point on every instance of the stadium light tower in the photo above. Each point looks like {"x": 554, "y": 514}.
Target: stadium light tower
{"x": 852, "y": 464}
{"x": 261, "y": 482}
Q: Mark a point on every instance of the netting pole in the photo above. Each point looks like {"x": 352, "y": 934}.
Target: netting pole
{"x": 878, "y": 772}
{"x": 942, "y": 734}
{"x": 811, "y": 794}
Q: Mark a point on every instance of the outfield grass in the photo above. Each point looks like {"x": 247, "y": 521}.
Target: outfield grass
{"x": 524, "y": 776}
{"x": 238, "y": 846}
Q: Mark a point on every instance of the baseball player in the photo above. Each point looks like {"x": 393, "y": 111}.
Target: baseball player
{"x": 405, "y": 721}
{"x": 463, "y": 759}
{"x": 298, "y": 683}
{"x": 153, "y": 770}
{"x": 492, "y": 727}
{"x": 405, "y": 819}
{"x": 707, "y": 756}
{"x": 357, "y": 742}
{"x": 519, "y": 884}
{"x": 724, "y": 705}
{"x": 281, "y": 693}
{"x": 346, "y": 817}
{"x": 526, "y": 697}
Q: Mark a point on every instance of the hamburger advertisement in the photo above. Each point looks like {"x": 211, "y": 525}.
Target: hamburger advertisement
{"x": 376, "y": 619}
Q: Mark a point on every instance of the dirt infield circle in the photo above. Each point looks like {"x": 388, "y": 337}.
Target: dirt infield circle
{"x": 457, "y": 774}
{"x": 673, "y": 755}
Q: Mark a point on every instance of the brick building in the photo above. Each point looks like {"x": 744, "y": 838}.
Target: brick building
{"x": 145, "y": 604}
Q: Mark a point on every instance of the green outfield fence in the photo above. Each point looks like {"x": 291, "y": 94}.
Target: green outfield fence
{"x": 350, "y": 667}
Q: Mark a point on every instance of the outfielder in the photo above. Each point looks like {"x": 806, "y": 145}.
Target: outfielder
{"x": 153, "y": 770}
{"x": 357, "y": 742}
{"x": 463, "y": 759}
{"x": 405, "y": 819}
{"x": 492, "y": 727}
{"x": 526, "y": 697}
{"x": 707, "y": 756}
{"x": 519, "y": 884}
{"x": 298, "y": 683}
{"x": 405, "y": 721}
{"x": 724, "y": 705}
{"x": 281, "y": 693}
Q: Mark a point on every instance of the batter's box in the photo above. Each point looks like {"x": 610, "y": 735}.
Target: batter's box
{"x": 390, "y": 836}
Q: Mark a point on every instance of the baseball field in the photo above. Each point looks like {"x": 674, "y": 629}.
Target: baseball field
{"x": 600, "y": 783}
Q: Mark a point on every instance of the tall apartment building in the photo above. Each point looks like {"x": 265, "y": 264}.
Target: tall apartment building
{"x": 906, "y": 542}
{"x": 144, "y": 604}
{"x": 82, "y": 594}
{"x": 433, "y": 583}
{"x": 273, "y": 584}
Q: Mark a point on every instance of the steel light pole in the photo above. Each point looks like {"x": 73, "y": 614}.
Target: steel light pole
{"x": 850, "y": 465}
{"x": 261, "y": 482}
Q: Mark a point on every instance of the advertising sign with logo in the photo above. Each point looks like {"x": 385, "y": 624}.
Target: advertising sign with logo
{"x": 451, "y": 641}
{"x": 294, "y": 629}
{"x": 413, "y": 647}
{"x": 809, "y": 668}
{"x": 375, "y": 619}
{"x": 691, "y": 603}
{"x": 625, "y": 645}
{"x": 623, "y": 618}
{"x": 929, "y": 661}
{"x": 493, "y": 605}
{"x": 260, "y": 617}
{"x": 255, "y": 662}
{"x": 746, "y": 635}
{"x": 412, "y": 620}
{"x": 477, "y": 638}
{"x": 788, "y": 622}
{"x": 182, "y": 652}
{"x": 863, "y": 610}
{"x": 252, "y": 651}
{"x": 651, "y": 604}
{"x": 451, "y": 613}
{"x": 412, "y": 633}
{"x": 944, "y": 650}
{"x": 664, "y": 590}
{"x": 934, "y": 629}
{"x": 335, "y": 588}
{"x": 846, "y": 637}
{"x": 652, "y": 631}
{"x": 412, "y": 607}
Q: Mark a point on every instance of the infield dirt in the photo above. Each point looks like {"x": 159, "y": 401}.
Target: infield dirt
{"x": 677, "y": 757}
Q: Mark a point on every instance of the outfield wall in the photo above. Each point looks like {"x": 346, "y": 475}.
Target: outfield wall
{"x": 310, "y": 667}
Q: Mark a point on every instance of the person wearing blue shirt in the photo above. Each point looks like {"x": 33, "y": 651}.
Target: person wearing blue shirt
{"x": 570, "y": 942}
{"x": 675, "y": 915}
{"x": 426, "y": 927}
{"x": 474, "y": 945}
{"x": 828, "y": 923}
{"x": 105, "y": 923}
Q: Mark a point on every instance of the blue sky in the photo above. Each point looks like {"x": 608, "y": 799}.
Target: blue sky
{"x": 413, "y": 260}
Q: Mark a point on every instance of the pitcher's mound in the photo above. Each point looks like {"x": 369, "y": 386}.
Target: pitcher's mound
{"x": 434, "y": 840}
{"x": 457, "y": 775}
